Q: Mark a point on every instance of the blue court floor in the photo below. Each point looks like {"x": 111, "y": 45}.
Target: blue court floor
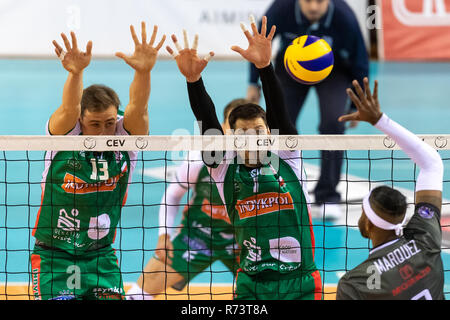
{"x": 416, "y": 95}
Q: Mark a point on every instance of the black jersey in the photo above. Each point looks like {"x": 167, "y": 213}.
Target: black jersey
{"x": 409, "y": 267}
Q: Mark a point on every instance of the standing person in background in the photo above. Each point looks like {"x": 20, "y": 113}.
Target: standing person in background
{"x": 335, "y": 22}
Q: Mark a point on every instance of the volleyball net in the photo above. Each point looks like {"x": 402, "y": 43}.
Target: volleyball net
{"x": 367, "y": 161}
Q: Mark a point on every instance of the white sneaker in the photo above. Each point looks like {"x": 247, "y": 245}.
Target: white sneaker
{"x": 330, "y": 211}
{"x": 136, "y": 293}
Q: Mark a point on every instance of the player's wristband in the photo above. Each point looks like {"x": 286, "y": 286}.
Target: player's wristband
{"x": 430, "y": 163}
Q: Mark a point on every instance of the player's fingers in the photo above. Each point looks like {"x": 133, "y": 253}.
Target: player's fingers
{"x": 57, "y": 46}
{"x": 354, "y": 98}
{"x": 160, "y": 44}
{"x": 238, "y": 49}
{"x": 74, "y": 40}
{"x": 122, "y": 56}
{"x": 186, "y": 40}
{"x": 209, "y": 56}
{"x": 253, "y": 25}
{"x": 134, "y": 36}
{"x": 171, "y": 52}
{"x": 195, "y": 44}
{"x": 153, "y": 38}
{"x": 272, "y": 33}
{"x": 349, "y": 117}
{"x": 66, "y": 42}
{"x": 144, "y": 32}
{"x": 89, "y": 48}
{"x": 375, "y": 91}
{"x": 58, "y": 52}
{"x": 367, "y": 89}
{"x": 264, "y": 26}
{"x": 175, "y": 42}
{"x": 360, "y": 92}
{"x": 246, "y": 32}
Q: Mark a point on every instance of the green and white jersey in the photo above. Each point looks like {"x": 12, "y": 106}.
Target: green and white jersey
{"x": 269, "y": 211}
{"x": 205, "y": 214}
{"x": 82, "y": 196}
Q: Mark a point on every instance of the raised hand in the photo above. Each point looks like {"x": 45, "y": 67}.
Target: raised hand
{"x": 259, "y": 51}
{"x": 144, "y": 56}
{"x": 190, "y": 65}
{"x": 366, "y": 102}
{"x": 73, "y": 60}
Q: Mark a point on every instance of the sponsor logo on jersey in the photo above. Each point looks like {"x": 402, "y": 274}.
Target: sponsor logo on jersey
{"x": 215, "y": 211}
{"x": 64, "y": 297}
{"x": 35, "y": 279}
{"x": 254, "y": 251}
{"x": 73, "y": 164}
{"x": 426, "y": 212}
{"x": 264, "y": 203}
{"x": 68, "y": 222}
{"x": 411, "y": 281}
{"x": 108, "y": 293}
{"x": 73, "y": 184}
{"x": 99, "y": 227}
{"x": 406, "y": 272}
{"x": 285, "y": 249}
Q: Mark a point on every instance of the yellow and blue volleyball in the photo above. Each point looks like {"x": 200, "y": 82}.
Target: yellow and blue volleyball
{"x": 309, "y": 59}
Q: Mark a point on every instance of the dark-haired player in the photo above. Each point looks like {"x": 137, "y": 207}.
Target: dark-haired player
{"x": 83, "y": 192}
{"x": 267, "y": 202}
{"x": 204, "y": 235}
{"x": 405, "y": 261}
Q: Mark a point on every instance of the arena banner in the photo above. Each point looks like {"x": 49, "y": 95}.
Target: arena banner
{"x": 27, "y": 27}
{"x": 414, "y": 30}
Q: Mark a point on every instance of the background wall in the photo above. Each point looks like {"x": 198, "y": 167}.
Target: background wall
{"x": 27, "y": 27}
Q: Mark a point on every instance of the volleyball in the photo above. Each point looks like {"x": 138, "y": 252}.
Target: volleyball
{"x": 309, "y": 59}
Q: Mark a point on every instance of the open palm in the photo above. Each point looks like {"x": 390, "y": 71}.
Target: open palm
{"x": 73, "y": 60}
{"x": 366, "y": 102}
{"x": 145, "y": 54}
{"x": 188, "y": 62}
{"x": 259, "y": 51}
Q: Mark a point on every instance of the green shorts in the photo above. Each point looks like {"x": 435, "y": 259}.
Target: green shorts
{"x": 194, "y": 252}
{"x": 273, "y": 286}
{"x": 58, "y": 275}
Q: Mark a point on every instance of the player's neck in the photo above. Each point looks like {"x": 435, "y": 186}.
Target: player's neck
{"x": 382, "y": 238}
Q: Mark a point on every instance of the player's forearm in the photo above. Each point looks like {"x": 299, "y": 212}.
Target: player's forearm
{"x": 430, "y": 163}
{"x": 203, "y": 108}
{"x": 66, "y": 116}
{"x": 136, "y": 112}
{"x": 277, "y": 114}
{"x": 254, "y": 75}
{"x": 72, "y": 94}
{"x": 140, "y": 92}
